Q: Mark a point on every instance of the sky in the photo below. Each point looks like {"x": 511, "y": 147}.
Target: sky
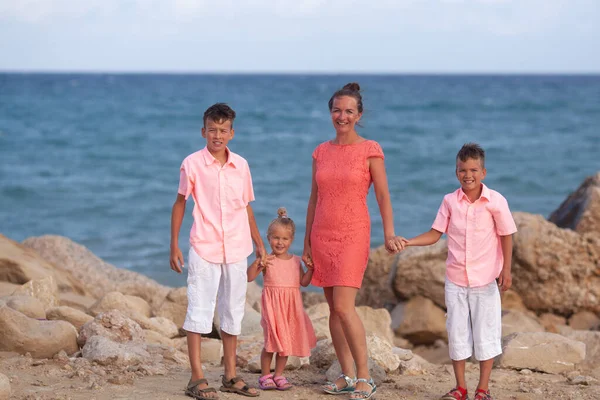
{"x": 295, "y": 36}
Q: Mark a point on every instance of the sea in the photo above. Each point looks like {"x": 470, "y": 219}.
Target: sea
{"x": 96, "y": 157}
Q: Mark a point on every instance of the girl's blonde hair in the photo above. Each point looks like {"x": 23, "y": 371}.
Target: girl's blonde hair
{"x": 283, "y": 220}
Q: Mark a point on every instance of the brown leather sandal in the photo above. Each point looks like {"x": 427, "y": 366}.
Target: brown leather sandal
{"x": 192, "y": 390}
{"x": 228, "y": 387}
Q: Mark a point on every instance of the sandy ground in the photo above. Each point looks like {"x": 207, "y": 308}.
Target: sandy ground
{"x": 52, "y": 379}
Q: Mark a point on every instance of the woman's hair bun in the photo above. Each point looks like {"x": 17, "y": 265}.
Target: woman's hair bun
{"x": 281, "y": 212}
{"x": 355, "y": 87}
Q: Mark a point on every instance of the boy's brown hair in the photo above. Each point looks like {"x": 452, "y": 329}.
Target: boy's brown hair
{"x": 471, "y": 151}
{"x": 219, "y": 112}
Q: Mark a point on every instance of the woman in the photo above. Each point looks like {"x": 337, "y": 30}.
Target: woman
{"x": 338, "y": 233}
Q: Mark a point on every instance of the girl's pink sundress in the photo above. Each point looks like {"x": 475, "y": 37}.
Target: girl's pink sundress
{"x": 286, "y": 326}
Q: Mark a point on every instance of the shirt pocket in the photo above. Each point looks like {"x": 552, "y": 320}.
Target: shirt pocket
{"x": 235, "y": 190}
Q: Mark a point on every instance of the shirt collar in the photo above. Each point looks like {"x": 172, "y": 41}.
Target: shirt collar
{"x": 485, "y": 193}
{"x": 210, "y": 159}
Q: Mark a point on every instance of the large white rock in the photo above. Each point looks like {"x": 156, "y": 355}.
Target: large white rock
{"x": 112, "y": 325}
{"x": 104, "y": 351}
{"x": 541, "y": 351}
{"x": 42, "y": 339}
{"x": 517, "y": 321}
{"x": 382, "y": 353}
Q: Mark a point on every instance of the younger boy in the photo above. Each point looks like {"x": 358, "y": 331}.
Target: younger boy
{"x": 479, "y": 227}
{"x": 221, "y": 239}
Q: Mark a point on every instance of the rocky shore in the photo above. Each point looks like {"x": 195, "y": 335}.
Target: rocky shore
{"x": 74, "y": 327}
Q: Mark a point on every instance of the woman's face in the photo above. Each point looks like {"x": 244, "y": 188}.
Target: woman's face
{"x": 344, "y": 114}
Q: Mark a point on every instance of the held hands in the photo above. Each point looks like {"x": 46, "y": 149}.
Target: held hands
{"x": 263, "y": 265}
{"x": 505, "y": 280}
{"x": 176, "y": 259}
{"x": 395, "y": 244}
{"x": 307, "y": 257}
{"x": 261, "y": 254}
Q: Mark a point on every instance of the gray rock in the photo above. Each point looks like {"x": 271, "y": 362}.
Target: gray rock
{"x": 541, "y": 351}
{"x": 517, "y": 321}
{"x": 112, "y": 325}
{"x": 581, "y": 210}
{"x": 323, "y": 355}
{"x": 104, "y": 351}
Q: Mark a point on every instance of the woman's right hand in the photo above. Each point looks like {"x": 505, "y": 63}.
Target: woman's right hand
{"x": 307, "y": 257}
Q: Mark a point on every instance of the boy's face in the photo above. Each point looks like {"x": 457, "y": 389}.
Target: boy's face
{"x": 217, "y": 135}
{"x": 470, "y": 173}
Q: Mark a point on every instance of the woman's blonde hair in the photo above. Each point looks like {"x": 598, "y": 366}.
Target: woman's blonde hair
{"x": 283, "y": 220}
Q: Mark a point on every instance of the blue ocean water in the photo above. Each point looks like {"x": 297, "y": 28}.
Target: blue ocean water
{"x": 95, "y": 157}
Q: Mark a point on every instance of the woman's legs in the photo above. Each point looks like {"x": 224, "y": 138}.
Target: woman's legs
{"x": 348, "y": 333}
{"x": 344, "y": 301}
{"x": 338, "y": 337}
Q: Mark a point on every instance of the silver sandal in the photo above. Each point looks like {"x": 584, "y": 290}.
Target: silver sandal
{"x": 331, "y": 387}
{"x": 361, "y": 394}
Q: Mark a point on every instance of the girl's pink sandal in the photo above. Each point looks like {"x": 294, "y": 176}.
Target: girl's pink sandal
{"x": 267, "y": 383}
{"x": 282, "y": 383}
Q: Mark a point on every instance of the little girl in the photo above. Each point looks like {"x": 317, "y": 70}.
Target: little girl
{"x": 286, "y": 326}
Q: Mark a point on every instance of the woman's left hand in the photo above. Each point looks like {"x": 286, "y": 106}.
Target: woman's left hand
{"x": 394, "y": 244}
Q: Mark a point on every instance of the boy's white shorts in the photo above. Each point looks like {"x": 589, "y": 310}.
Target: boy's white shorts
{"x": 473, "y": 321}
{"x": 207, "y": 282}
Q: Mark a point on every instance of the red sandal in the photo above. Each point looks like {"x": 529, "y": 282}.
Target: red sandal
{"x": 457, "y": 393}
{"x": 481, "y": 394}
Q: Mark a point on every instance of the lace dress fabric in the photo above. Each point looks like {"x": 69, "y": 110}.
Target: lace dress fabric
{"x": 286, "y": 326}
{"x": 341, "y": 232}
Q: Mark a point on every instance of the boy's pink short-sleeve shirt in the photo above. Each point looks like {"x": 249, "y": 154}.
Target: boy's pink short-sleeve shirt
{"x": 220, "y": 232}
{"x": 474, "y": 250}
